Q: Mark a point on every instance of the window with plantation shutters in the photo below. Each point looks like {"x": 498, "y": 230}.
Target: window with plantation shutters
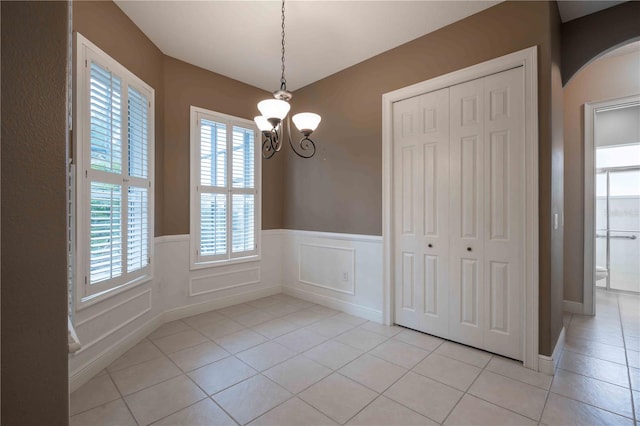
{"x": 113, "y": 152}
{"x": 225, "y": 207}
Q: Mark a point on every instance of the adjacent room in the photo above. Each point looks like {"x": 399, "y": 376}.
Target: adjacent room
{"x": 320, "y": 212}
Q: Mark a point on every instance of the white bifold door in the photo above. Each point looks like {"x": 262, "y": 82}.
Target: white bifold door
{"x": 458, "y": 212}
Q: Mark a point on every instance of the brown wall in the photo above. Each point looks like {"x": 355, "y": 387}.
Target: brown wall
{"x": 177, "y": 85}
{"x": 34, "y": 275}
{"x": 105, "y": 25}
{"x": 585, "y": 38}
{"x": 606, "y": 78}
{"x": 556, "y": 254}
{"x": 340, "y": 190}
{"x": 187, "y": 85}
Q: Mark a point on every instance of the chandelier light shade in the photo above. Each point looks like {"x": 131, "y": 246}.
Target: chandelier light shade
{"x": 306, "y": 121}
{"x": 262, "y": 123}
{"x": 274, "y": 108}
{"x": 272, "y": 121}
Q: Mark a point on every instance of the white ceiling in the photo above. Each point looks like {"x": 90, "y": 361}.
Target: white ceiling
{"x": 573, "y": 9}
{"x": 241, "y": 39}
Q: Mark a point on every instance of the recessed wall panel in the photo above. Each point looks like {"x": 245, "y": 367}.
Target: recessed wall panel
{"x": 499, "y": 185}
{"x": 430, "y": 190}
{"x": 407, "y": 189}
{"x": 469, "y": 292}
{"x": 328, "y": 267}
{"x": 468, "y": 180}
{"x": 430, "y": 120}
{"x": 219, "y": 281}
{"x": 408, "y": 280}
{"x": 431, "y": 285}
{"x": 499, "y": 104}
{"x": 407, "y": 124}
{"x": 499, "y": 300}
{"x": 469, "y": 111}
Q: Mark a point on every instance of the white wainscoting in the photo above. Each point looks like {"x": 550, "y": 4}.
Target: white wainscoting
{"x": 111, "y": 327}
{"x": 114, "y": 318}
{"x": 310, "y": 265}
{"x": 342, "y": 271}
{"x": 327, "y": 267}
{"x": 223, "y": 281}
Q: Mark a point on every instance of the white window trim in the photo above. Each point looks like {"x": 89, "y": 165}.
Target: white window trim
{"x": 85, "y": 49}
{"x": 195, "y": 261}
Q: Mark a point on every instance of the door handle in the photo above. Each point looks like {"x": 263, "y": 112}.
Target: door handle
{"x": 430, "y": 245}
{"x": 468, "y": 248}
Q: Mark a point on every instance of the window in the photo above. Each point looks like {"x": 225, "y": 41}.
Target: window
{"x": 225, "y": 196}
{"x": 114, "y": 165}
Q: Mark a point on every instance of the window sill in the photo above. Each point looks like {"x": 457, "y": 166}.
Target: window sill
{"x": 93, "y": 299}
{"x": 220, "y": 263}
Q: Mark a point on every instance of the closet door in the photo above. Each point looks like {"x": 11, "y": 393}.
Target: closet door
{"x": 421, "y": 246}
{"x": 504, "y": 212}
{"x": 467, "y": 168}
{"x": 487, "y": 210}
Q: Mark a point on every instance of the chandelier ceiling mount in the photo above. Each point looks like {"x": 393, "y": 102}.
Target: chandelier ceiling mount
{"x": 273, "y": 112}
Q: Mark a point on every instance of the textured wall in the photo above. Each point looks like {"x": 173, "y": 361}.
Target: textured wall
{"x": 106, "y": 26}
{"x": 585, "y": 38}
{"x": 177, "y": 85}
{"x": 556, "y": 262}
{"x": 34, "y": 274}
{"x": 340, "y": 189}
{"x": 187, "y": 85}
{"x": 607, "y": 78}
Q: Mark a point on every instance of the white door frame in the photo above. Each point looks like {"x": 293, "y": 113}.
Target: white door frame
{"x": 590, "y": 110}
{"x": 526, "y": 58}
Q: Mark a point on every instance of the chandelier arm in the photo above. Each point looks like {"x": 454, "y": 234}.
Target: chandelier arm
{"x": 267, "y": 148}
{"x": 305, "y": 144}
{"x": 271, "y": 144}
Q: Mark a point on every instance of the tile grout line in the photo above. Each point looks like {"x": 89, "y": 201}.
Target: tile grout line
{"x": 583, "y": 402}
{"x": 546, "y": 400}
{"x": 298, "y": 328}
{"x": 182, "y": 374}
{"x": 626, "y": 357}
{"x": 296, "y": 395}
{"x": 261, "y": 373}
{"x": 122, "y": 398}
{"x": 396, "y": 381}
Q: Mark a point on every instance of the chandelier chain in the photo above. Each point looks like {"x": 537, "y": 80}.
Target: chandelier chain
{"x": 283, "y": 81}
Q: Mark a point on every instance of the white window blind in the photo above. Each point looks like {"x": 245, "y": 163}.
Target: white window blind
{"x": 225, "y": 215}
{"x": 114, "y": 152}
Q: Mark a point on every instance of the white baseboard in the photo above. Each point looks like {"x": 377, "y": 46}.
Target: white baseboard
{"x": 112, "y": 353}
{"x": 573, "y": 307}
{"x": 223, "y": 302}
{"x": 548, "y": 364}
{"x": 340, "y": 305}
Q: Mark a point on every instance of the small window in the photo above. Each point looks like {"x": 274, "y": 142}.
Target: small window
{"x": 225, "y": 193}
{"x": 114, "y": 163}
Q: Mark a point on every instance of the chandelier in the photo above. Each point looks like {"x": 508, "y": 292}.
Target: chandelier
{"x": 272, "y": 121}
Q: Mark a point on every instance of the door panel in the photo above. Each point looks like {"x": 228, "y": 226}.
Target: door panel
{"x": 421, "y": 167}
{"x": 466, "y": 317}
{"x": 407, "y": 189}
{"x": 504, "y": 212}
{"x": 408, "y": 281}
{"x": 406, "y": 125}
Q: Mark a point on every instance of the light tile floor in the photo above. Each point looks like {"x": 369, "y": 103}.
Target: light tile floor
{"x": 283, "y": 361}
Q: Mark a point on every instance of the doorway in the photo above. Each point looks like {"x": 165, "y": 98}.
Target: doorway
{"x": 618, "y": 217}
{"x": 612, "y": 198}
